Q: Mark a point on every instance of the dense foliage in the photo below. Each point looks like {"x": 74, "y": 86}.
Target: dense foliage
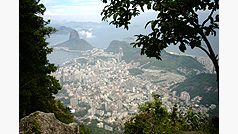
{"x": 177, "y": 22}
{"x": 37, "y": 86}
{"x": 92, "y": 128}
{"x": 84, "y": 130}
{"x": 154, "y": 118}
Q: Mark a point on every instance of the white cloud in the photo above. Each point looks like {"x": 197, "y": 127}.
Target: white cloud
{"x": 86, "y": 34}
{"x": 73, "y": 9}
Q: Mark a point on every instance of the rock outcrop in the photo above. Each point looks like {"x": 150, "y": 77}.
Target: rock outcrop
{"x": 75, "y": 43}
{"x": 46, "y": 123}
{"x": 73, "y": 35}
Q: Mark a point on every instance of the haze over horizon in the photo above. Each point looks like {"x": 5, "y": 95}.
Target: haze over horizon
{"x": 73, "y": 10}
{"x": 64, "y": 12}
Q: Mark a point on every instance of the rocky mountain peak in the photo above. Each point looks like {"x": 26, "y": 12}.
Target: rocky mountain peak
{"x": 73, "y": 35}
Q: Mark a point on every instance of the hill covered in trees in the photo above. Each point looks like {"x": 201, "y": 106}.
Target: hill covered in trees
{"x": 204, "y": 85}
{"x": 181, "y": 64}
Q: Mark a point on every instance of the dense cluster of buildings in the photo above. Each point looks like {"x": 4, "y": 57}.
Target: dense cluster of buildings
{"x": 99, "y": 83}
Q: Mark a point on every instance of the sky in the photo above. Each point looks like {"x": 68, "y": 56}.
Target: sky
{"x": 82, "y": 11}
{"x": 73, "y": 10}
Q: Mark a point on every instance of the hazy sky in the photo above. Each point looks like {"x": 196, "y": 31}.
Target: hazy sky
{"x": 61, "y": 11}
{"x": 73, "y": 10}
{"x": 81, "y": 11}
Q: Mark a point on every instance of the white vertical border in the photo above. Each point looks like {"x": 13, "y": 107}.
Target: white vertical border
{"x": 228, "y": 62}
{"x": 9, "y": 67}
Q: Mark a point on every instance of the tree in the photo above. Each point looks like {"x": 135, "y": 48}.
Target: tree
{"x": 176, "y": 23}
{"x": 154, "y": 118}
{"x": 37, "y": 86}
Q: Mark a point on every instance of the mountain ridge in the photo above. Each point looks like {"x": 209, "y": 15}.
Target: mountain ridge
{"x": 75, "y": 43}
{"x": 171, "y": 62}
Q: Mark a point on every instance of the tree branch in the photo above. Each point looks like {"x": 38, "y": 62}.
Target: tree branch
{"x": 208, "y": 54}
{"x": 211, "y": 52}
{"x": 208, "y": 45}
{"x": 205, "y": 21}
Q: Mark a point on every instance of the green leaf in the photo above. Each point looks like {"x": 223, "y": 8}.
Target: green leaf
{"x": 195, "y": 43}
{"x": 217, "y": 18}
{"x": 182, "y": 47}
{"x": 153, "y": 24}
{"x": 149, "y": 5}
{"x": 148, "y": 23}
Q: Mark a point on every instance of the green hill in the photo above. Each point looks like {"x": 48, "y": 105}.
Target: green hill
{"x": 204, "y": 85}
{"x": 170, "y": 62}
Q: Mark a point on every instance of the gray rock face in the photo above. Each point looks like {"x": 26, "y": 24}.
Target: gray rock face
{"x": 73, "y": 35}
{"x": 75, "y": 43}
{"x": 45, "y": 123}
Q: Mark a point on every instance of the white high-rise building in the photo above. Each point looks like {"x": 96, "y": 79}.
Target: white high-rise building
{"x": 185, "y": 96}
{"x": 120, "y": 54}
